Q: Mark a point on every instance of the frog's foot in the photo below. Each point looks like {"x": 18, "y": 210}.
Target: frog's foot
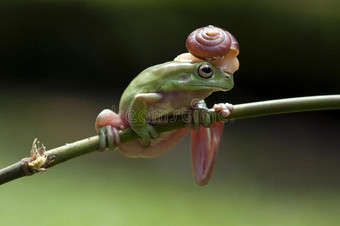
{"x": 224, "y": 108}
{"x": 108, "y": 124}
{"x": 108, "y": 138}
{"x": 200, "y": 115}
{"x": 146, "y": 132}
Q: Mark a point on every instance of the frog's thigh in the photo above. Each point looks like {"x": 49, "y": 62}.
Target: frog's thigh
{"x": 158, "y": 146}
{"x": 110, "y": 118}
{"x": 131, "y": 148}
{"x": 166, "y": 144}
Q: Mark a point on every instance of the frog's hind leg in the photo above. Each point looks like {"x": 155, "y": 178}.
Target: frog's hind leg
{"x": 204, "y": 147}
{"x": 108, "y": 123}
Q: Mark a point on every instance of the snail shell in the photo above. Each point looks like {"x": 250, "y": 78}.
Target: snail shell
{"x": 211, "y": 43}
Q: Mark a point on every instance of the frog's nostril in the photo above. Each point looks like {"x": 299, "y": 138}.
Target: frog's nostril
{"x": 227, "y": 76}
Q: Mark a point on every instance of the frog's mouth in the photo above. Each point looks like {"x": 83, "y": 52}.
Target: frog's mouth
{"x": 210, "y": 87}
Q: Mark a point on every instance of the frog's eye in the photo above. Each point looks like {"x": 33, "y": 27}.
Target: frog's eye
{"x": 205, "y": 71}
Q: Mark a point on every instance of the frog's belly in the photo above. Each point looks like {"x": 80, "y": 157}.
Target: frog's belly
{"x": 158, "y": 146}
{"x": 155, "y": 113}
{"x": 172, "y": 103}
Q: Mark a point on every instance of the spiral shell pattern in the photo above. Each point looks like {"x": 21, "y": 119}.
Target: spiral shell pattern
{"x": 210, "y": 42}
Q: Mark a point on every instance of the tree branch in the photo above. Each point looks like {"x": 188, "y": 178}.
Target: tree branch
{"x": 40, "y": 159}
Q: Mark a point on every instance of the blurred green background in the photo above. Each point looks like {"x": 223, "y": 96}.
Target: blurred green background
{"x": 62, "y": 62}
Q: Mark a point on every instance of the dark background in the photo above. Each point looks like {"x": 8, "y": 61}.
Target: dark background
{"x": 287, "y": 49}
{"x": 62, "y": 62}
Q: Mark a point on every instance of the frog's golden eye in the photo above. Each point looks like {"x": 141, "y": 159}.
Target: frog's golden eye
{"x": 205, "y": 71}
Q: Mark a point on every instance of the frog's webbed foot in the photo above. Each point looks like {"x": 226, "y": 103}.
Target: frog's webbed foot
{"x": 224, "y": 108}
{"x": 108, "y": 138}
{"x": 200, "y": 113}
{"x": 108, "y": 124}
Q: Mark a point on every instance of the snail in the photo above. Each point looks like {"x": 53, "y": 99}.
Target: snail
{"x": 212, "y": 44}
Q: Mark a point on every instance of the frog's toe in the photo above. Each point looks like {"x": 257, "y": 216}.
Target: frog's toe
{"x": 206, "y": 120}
{"x": 102, "y": 139}
{"x": 230, "y": 107}
{"x": 146, "y": 143}
{"x": 196, "y": 120}
{"x": 224, "y": 108}
{"x": 153, "y": 132}
{"x": 145, "y": 139}
{"x": 200, "y": 116}
{"x": 108, "y": 138}
{"x": 146, "y": 134}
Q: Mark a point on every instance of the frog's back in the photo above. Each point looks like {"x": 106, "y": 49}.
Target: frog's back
{"x": 151, "y": 80}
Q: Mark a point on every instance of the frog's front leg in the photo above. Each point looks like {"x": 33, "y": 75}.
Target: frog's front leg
{"x": 138, "y": 115}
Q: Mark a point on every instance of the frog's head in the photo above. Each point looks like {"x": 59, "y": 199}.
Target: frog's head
{"x": 201, "y": 76}
{"x": 186, "y": 76}
{"x": 204, "y": 76}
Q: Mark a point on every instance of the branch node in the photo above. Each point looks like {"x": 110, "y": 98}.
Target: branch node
{"x": 38, "y": 158}
{"x": 25, "y": 168}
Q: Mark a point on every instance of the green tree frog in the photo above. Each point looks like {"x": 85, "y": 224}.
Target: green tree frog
{"x": 172, "y": 88}
{"x": 164, "y": 90}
